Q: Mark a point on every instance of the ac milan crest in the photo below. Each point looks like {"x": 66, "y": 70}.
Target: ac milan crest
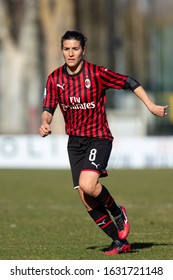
{"x": 87, "y": 83}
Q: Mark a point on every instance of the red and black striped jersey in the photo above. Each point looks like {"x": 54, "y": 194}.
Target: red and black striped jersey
{"x": 82, "y": 98}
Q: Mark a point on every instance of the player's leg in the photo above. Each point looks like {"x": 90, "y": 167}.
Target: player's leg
{"x": 99, "y": 215}
{"x": 77, "y": 158}
{"x": 97, "y": 212}
{"x": 94, "y": 166}
{"x": 103, "y": 220}
{"x": 89, "y": 184}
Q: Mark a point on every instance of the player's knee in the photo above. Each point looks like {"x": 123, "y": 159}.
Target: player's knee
{"x": 87, "y": 187}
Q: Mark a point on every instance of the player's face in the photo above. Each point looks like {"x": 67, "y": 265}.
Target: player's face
{"x": 73, "y": 53}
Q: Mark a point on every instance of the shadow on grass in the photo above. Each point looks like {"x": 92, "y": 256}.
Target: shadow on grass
{"x": 134, "y": 247}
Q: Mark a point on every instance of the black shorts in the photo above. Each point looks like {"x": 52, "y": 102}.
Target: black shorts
{"x": 88, "y": 154}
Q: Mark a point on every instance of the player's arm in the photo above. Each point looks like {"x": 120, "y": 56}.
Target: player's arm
{"x": 156, "y": 110}
{"x": 46, "y": 119}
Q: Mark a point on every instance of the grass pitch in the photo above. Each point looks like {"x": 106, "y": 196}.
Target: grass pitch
{"x": 42, "y": 217}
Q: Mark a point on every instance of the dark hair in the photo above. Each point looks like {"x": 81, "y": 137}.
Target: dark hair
{"x": 74, "y": 35}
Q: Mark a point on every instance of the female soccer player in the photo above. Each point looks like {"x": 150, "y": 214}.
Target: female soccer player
{"x": 79, "y": 88}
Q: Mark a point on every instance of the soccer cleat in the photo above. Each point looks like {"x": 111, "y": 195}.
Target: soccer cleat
{"x": 122, "y": 224}
{"x": 118, "y": 247}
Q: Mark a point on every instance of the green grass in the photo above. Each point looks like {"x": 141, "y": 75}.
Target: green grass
{"x": 42, "y": 217}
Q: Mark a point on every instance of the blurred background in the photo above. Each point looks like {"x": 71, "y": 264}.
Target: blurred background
{"x": 133, "y": 37}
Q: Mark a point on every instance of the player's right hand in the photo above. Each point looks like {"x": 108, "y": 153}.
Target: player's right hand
{"x": 44, "y": 129}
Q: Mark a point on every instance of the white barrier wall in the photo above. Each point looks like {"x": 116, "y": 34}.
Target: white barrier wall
{"x": 32, "y": 151}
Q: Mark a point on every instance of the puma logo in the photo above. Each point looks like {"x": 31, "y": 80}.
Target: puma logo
{"x": 102, "y": 223}
{"x": 96, "y": 165}
{"x": 61, "y": 86}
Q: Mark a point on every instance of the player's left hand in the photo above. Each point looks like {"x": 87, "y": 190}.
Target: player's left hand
{"x": 159, "y": 111}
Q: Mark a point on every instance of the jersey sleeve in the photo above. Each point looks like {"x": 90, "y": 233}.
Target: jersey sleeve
{"x": 50, "y": 101}
{"x": 110, "y": 79}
